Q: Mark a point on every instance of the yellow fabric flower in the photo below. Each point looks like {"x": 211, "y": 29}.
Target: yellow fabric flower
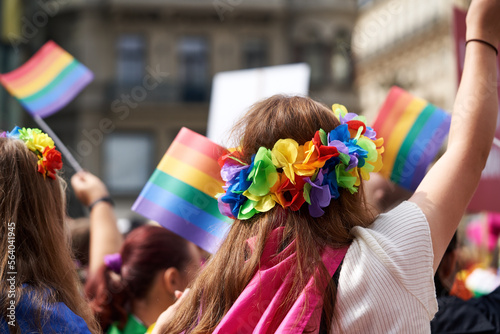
{"x": 41, "y": 141}
{"x": 260, "y": 203}
{"x": 35, "y": 139}
{"x": 378, "y": 164}
{"x": 374, "y": 160}
{"x": 339, "y": 110}
{"x": 285, "y": 153}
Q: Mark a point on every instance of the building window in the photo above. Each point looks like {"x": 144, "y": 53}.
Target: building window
{"x": 316, "y": 55}
{"x": 255, "y": 53}
{"x": 194, "y": 69}
{"x": 364, "y": 2}
{"x": 127, "y": 162}
{"x": 131, "y": 59}
{"x": 341, "y": 60}
{"x": 10, "y": 110}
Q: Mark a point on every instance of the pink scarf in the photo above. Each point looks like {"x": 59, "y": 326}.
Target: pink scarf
{"x": 256, "y": 309}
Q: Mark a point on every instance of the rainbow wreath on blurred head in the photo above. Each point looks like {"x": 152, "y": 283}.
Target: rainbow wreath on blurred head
{"x": 291, "y": 174}
{"x": 49, "y": 159}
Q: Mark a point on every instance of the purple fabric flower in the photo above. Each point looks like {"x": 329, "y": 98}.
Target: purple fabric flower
{"x": 320, "y": 196}
{"x": 370, "y": 133}
{"x": 229, "y": 171}
{"x": 341, "y": 147}
{"x": 353, "y": 162}
{"x": 348, "y": 117}
{"x": 3, "y": 134}
{"x": 224, "y": 208}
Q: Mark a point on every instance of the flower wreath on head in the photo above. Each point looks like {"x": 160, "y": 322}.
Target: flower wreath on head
{"x": 291, "y": 174}
{"x": 49, "y": 159}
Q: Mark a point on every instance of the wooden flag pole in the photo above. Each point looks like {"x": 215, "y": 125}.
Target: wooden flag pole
{"x": 59, "y": 144}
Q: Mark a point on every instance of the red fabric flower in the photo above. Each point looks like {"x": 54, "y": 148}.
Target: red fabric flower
{"x": 289, "y": 194}
{"x": 355, "y": 125}
{"x": 234, "y": 158}
{"x": 50, "y": 162}
{"x": 325, "y": 152}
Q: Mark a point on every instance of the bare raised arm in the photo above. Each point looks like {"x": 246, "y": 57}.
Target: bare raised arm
{"x": 105, "y": 238}
{"x": 447, "y": 189}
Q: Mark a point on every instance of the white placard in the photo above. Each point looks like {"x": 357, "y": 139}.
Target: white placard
{"x": 234, "y": 92}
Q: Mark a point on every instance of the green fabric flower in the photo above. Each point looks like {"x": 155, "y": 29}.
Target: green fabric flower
{"x": 345, "y": 179}
{"x": 263, "y": 174}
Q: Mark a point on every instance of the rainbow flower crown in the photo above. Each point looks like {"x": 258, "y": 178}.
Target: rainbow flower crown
{"x": 49, "y": 159}
{"x": 291, "y": 174}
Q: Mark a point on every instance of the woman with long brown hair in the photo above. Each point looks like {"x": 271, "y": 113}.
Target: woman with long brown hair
{"x": 39, "y": 287}
{"x": 299, "y": 210}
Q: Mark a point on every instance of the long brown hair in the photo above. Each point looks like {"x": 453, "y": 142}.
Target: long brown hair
{"x": 45, "y": 269}
{"x": 232, "y": 267}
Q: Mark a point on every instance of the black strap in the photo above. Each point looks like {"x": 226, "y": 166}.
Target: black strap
{"x": 107, "y": 199}
{"x": 483, "y": 42}
{"x": 335, "y": 281}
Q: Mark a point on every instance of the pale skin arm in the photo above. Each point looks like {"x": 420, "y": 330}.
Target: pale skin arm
{"x": 168, "y": 315}
{"x": 447, "y": 189}
{"x": 105, "y": 238}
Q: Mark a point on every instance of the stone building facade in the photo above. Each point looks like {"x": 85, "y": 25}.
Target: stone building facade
{"x": 405, "y": 43}
{"x": 154, "y": 61}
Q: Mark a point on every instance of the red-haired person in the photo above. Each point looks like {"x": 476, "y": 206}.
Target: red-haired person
{"x": 133, "y": 287}
{"x": 39, "y": 286}
{"x": 304, "y": 253}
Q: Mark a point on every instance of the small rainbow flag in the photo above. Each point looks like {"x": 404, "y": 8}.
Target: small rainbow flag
{"x": 47, "y": 81}
{"x": 180, "y": 195}
{"x": 413, "y": 132}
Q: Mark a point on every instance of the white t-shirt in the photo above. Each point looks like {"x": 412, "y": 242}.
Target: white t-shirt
{"x": 386, "y": 282}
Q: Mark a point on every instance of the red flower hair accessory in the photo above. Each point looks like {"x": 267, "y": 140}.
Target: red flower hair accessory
{"x": 49, "y": 159}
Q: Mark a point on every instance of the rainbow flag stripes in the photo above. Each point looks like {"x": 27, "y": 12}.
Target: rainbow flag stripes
{"x": 180, "y": 195}
{"x": 48, "y": 81}
{"x": 413, "y": 132}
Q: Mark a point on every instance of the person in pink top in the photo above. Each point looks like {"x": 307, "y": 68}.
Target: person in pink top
{"x": 304, "y": 253}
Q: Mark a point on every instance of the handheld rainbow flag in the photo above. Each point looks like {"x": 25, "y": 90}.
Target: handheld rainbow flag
{"x": 180, "y": 195}
{"x": 48, "y": 81}
{"x": 413, "y": 132}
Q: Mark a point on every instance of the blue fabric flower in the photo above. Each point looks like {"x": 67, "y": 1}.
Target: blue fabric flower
{"x": 357, "y": 155}
{"x": 237, "y": 186}
{"x": 340, "y": 133}
{"x": 330, "y": 179}
{"x": 330, "y": 164}
{"x": 12, "y": 134}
